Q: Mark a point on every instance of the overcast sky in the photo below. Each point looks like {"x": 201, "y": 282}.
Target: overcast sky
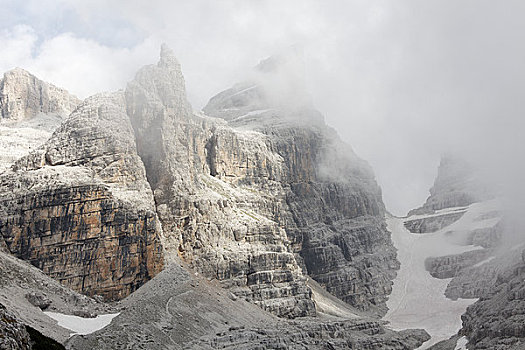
{"x": 402, "y": 81}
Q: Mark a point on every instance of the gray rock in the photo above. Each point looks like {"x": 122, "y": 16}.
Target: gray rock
{"x": 39, "y": 300}
{"x": 80, "y": 207}
{"x": 23, "y": 96}
{"x": 432, "y": 223}
{"x": 13, "y": 334}
{"x": 451, "y": 265}
{"x": 497, "y": 319}
{"x": 177, "y": 310}
{"x": 255, "y": 204}
{"x": 457, "y": 184}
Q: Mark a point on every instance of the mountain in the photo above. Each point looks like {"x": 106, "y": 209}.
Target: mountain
{"x": 458, "y": 184}
{"x": 137, "y": 198}
{"x": 22, "y": 96}
{"x": 30, "y": 110}
{"x": 465, "y": 212}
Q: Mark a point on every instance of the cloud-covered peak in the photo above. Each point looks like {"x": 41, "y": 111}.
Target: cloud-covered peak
{"x": 167, "y": 57}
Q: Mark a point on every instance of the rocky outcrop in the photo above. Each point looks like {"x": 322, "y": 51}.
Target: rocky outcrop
{"x": 457, "y": 184}
{"x": 257, "y": 202}
{"x": 473, "y": 281}
{"x": 451, "y": 265}
{"x": 22, "y": 95}
{"x": 178, "y": 310}
{"x": 497, "y": 319}
{"x": 80, "y": 208}
{"x": 326, "y": 198}
{"x": 30, "y": 110}
{"x": 433, "y": 223}
{"x": 14, "y": 335}
{"x": 224, "y": 231}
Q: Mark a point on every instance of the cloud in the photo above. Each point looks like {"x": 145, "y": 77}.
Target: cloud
{"x": 83, "y": 66}
{"x": 402, "y": 82}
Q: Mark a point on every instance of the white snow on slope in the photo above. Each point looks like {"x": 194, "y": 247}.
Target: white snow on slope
{"x": 81, "y": 325}
{"x": 252, "y": 113}
{"x": 461, "y": 344}
{"x": 418, "y": 299}
{"x": 244, "y": 90}
{"x": 19, "y": 138}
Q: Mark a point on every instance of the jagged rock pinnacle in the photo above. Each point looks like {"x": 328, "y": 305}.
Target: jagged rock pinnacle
{"x": 167, "y": 57}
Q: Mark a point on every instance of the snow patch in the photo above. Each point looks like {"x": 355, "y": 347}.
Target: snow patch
{"x": 244, "y": 90}
{"x": 81, "y": 325}
{"x": 461, "y": 344}
{"x": 490, "y": 258}
{"x": 418, "y": 300}
{"x": 249, "y": 114}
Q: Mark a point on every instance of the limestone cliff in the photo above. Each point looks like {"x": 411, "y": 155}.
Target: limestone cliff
{"x": 458, "y": 184}
{"x": 243, "y": 204}
{"x": 80, "y": 208}
{"x": 30, "y": 110}
{"x": 259, "y": 202}
{"x": 224, "y": 230}
{"x": 22, "y": 95}
{"x": 325, "y": 197}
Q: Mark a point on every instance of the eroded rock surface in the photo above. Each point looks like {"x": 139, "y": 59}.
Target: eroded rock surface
{"x": 22, "y": 96}
{"x": 432, "y": 223}
{"x": 457, "y": 184}
{"x": 30, "y": 110}
{"x": 80, "y": 208}
{"x": 177, "y": 310}
{"x": 13, "y": 334}
{"x": 497, "y": 320}
{"x": 325, "y": 197}
{"x": 258, "y": 202}
{"x": 451, "y": 265}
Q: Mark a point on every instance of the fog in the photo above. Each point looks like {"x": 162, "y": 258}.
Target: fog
{"x": 402, "y": 82}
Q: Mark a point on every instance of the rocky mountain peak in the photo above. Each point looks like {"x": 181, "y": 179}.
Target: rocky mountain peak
{"x": 277, "y": 84}
{"x": 22, "y": 95}
{"x": 167, "y": 57}
{"x": 292, "y": 56}
{"x": 458, "y": 183}
{"x": 159, "y": 86}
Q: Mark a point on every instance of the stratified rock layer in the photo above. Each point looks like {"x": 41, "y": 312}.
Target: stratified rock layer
{"x": 225, "y": 231}
{"x": 22, "y": 96}
{"x": 256, "y": 202}
{"x": 178, "y": 310}
{"x": 30, "y": 110}
{"x": 497, "y": 320}
{"x": 80, "y": 208}
{"x": 324, "y": 197}
{"x": 457, "y": 184}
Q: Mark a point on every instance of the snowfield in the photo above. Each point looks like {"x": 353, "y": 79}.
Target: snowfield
{"x": 81, "y": 325}
{"x": 418, "y": 299}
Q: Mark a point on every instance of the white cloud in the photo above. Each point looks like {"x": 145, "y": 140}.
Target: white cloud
{"x": 83, "y": 66}
{"x": 17, "y": 44}
{"x": 402, "y": 82}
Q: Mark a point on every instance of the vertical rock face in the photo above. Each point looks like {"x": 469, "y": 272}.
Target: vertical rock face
{"x": 13, "y": 334}
{"x": 457, "y": 184}
{"x": 257, "y": 201}
{"x": 326, "y": 198}
{"x": 497, "y": 319}
{"x": 80, "y": 208}
{"x": 224, "y": 231}
{"x": 30, "y": 110}
{"x": 22, "y": 95}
